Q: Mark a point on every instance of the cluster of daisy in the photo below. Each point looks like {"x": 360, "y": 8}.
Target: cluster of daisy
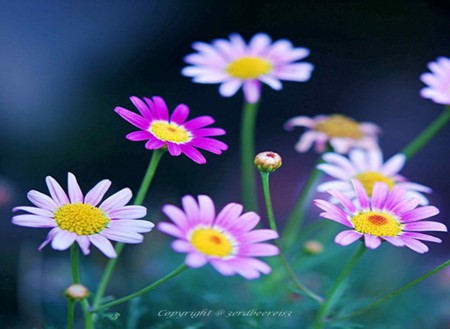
{"x": 378, "y": 204}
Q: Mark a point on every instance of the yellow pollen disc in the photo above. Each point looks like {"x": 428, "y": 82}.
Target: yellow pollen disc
{"x": 211, "y": 242}
{"x": 340, "y": 126}
{"x": 369, "y": 178}
{"x": 376, "y": 223}
{"x": 249, "y": 67}
{"x": 80, "y": 218}
{"x": 169, "y": 132}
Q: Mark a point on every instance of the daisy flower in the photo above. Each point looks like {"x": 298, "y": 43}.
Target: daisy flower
{"x": 225, "y": 240}
{"x": 368, "y": 168}
{"x": 177, "y": 134}
{"x": 387, "y": 216}
{"x": 75, "y": 217}
{"x": 234, "y": 64}
{"x": 438, "y": 81}
{"x": 343, "y": 133}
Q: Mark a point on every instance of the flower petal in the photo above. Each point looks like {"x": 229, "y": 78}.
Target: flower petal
{"x": 347, "y": 237}
{"x": 117, "y": 200}
{"x": 56, "y": 191}
{"x": 74, "y": 189}
{"x": 103, "y": 245}
{"x": 96, "y": 194}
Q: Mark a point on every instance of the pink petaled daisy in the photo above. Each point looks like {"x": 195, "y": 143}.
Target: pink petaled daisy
{"x": 75, "y": 217}
{"x": 177, "y": 134}
{"x": 438, "y": 81}
{"x": 388, "y": 216}
{"x": 226, "y": 240}
{"x": 235, "y": 64}
{"x": 368, "y": 168}
{"x": 343, "y": 133}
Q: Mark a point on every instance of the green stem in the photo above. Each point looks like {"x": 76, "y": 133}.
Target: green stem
{"x": 156, "y": 157}
{"x": 420, "y": 141}
{"x": 75, "y": 266}
{"x": 273, "y": 226}
{"x": 395, "y": 293}
{"x": 148, "y": 288}
{"x": 70, "y": 312}
{"x": 248, "y": 180}
{"x": 298, "y": 214}
{"x": 324, "y": 308}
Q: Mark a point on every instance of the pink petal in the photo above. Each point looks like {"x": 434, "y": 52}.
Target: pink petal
{"x": 395, "y": 196}
{"x": 128, "y": 212}
{"x": 344, "y": 200}
{"x": 51, "y": 234}
{"x": 205, "y": 132}
{"x": 259, "y": 43}
{"x": 195, "y": 259}
{"x": 75, "y": 194}
{"x": 306, "y": 141}
{"x": 199, "y": 122}
{"x": 180, "y": 114}
{"x": 358, "y": 160}
{"x": 258, "y": 249}
{"x": 230, "y": 87}
{"x": 170, "y": 229}
{"x": 63, "y": 240}
{"x": 361, "y": 194}
{"x": 181, "y": 246}
{"x": 271, "y": 81}
{"x": 176, "y": 215}
{"x": 252, "y": 91}
{"x": 425, "y": 226}
{"x": 209, "y": 144}
{"x": 420, "y": 213}
{"x": 421, "y": 236}
{"x": 341, "y": 161}
{"x": 347, "y": 237}
{"x": 191, "y": 208}
{"x": 193, "y": 154}
{"x": 404, "y": 206}
{"x": 247, "y": 222}
{"x": 394, "y": 165}
{"x": 300, "y": 121}
{"x": 83, "y": 242}
{"x": 207, "y": 212}
{"x": 138, "y": 226}
{"x": 258, "y": 236}
{"x": 116, "y": 200}
{"x": 96, "y": 194}
{"x": 33, "y": 221}
{"x": 133, "y": 118}
{"x": 41, "y": 200}
{"x": 122, "y": 235}
{"x": 56, "y": 191}
{"x": 228, "y": 215}
{"x": 334, "y": 171}
{"x": 154, "y": 143}
{"x": 35, "y": 211}
{"x": 332, "y": 210}
{"x": 103, "y": 245}
{"x": 415, "y": 245}
{"x": 295, "y": 72}
{"x": 142, "y": 107}
{"x": 396, "y": 241}
{"x": 371, "y": 242}
{"x": 137, "y": 136}
{"x": 379, "y": 195}
{"x": 223, "y": 267}
{"x": 174, "y": 149}
{"x": 160, "y": 110}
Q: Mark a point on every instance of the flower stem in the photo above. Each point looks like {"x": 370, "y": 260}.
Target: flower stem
{"x": 148, "y": 288}
{"x": 420, "y": 141}
{"x": 273, "y": 226}
{"x": 75, "y": 266}
{"x": 248, "y": 180}
{"x": 297, "y": 216}
{"x": 396, "y": 292}
{"x": 70, "y": 312}
{"x": 156, "y": 157}
{"x": 324, "y": 308}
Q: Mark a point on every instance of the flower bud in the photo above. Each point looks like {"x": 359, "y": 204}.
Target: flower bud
{"x": 313, "y": 247}
{"x": 267, "y": 162}
{"x": 76, "y": 292}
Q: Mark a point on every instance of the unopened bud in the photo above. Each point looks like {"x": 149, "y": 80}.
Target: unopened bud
{"x": 267, "y": 162}
{"x": 76, "y": 292}
{"x": 313, "y": 247}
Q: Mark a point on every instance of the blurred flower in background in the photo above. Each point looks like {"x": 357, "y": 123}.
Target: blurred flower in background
{"x": 438, "y": 81}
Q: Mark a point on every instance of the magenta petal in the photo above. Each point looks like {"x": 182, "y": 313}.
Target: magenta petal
{"x": 103, "y": 245}
{"x": 160, "y": 109}
{"x": 425, "y": 226}
{"x": 371, "y": 242}
{"x": 361, "y": 194}
{"x": 421, "y": 236}
{"x": 420, "y": 213}
{"x": 154, "y": 144}
{"x": 228, "y": 215}
{"x": 205, "y": 132}
{"x": 174, "y": 149}
{"x": 142, "y": 107}
{"x": 180, "y": 114}
{"x": 404, "y": 206}
{"x": 199, "y": 122}
{"x": 209, "y": 144}
{"x": 56, "y": 191}
{"x": 195, "y": 260}
{"x": 415, "y": 245}
{"x": 96, "y": 194}
{"x": 379, "y": 195}
{"x": 140, "y": 135}
{"x": 347, "y": 237}
{"x": 247, "y": 222}
{"x": 331, "y": 209}
{"x": 258, "y": 249}
{"x": 258, "y": 236}
{"x": 395, "y": 197}
{"x": 344, "y": 200}
{"x": 133, "y": 118}
{"x": 192, "y": 153}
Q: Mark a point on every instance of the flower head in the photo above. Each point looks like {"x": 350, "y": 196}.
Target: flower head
{"x": 79, "y": 218}
{"x": 438, "y": 81}
{"x": 177, "y": 134}
{"x": 343, "y": 133}
{"x": 388, "y": 216}
{"x": 225, "y": 240}
{"x": 267, "y": 162}
{"x": 235, "y": 64}
{"x": 368, "y": 168}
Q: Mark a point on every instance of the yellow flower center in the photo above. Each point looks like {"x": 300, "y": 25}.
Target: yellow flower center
{"x": 376, "y": 223}
{"x": 211, "y": 242}
{"x": 340, "y": 126}
{"x": 249, "y": 67}
{"x": 80, "y": 218}
{"x": 170, "y": 132}
{"x": 369, "y": 178}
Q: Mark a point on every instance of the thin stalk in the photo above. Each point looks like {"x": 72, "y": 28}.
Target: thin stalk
{"x": 272, "y": 223}
{"x": 424, "y": 138}
{"x": 248, "y": 180}
{"x": 324, "y": 308}
{"x": 75, "y": 266}
{"x": 395, "y": 292}
{"x": 148, "y": 288}
{"x": 156, "y": 157}
{"x": 70, "y": 312}
{"x": 298, "y": 213}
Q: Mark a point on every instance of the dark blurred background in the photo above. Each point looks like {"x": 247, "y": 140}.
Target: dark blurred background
{"x": 66, "y": 65}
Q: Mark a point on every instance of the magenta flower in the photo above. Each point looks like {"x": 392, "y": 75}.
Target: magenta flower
{"x": 368, "y": 168}
{"x": 438, "y": 81}
{"x": 78, "y": 218}
{"x": 388, "y": 216}
{"x": 341, "y": 132}
{"x": 234, "y": 64}
{"x": 226, "y": 240}
{"x": 177, "y": 134}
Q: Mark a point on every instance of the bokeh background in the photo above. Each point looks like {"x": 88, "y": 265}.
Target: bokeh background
{"x": 66, "y": 65}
